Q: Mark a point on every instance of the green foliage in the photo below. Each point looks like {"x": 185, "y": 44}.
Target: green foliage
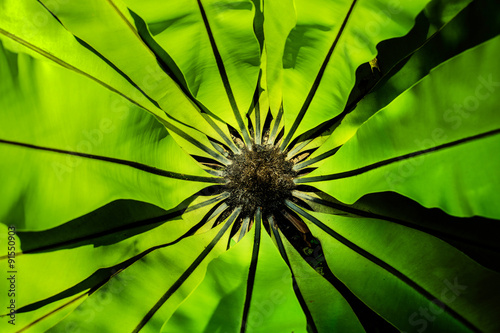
{"x": 120, "y": 120}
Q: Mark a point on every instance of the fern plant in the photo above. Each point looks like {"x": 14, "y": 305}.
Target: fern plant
{"x": 249, "y": 166}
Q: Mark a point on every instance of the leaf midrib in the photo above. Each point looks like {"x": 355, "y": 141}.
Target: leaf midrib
{"x": 135, "y": 165}
{"x": 69, "y": 66}
{"x": 317, "y": 81}
{"x": 382, "y": 264}
{"x": 373, "y": 166}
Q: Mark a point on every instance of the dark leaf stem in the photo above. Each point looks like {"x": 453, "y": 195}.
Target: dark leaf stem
{"x": 252, "y": 271}
{"x": 68, "y": 66}
{"x": 276, "y": 126}
{"x": 103, "y": 275}
{"x": 317, "y": 82}
{"x": 178, "y": 283}
{"x": 71, "y": 301}
{"x": 224, "y": 77}
{"x": 359, "y": 171}
{"x": 366, "y": 214}
{"x": 172, "y": 70}
{"x": 277, "y": 236}
{"x": 135, "y": 165}
{"x": 196, "y": 143}
{"x": 302, "y": 165}
{"x": 379, "y": 262}
{"x": 256, "y": 109}
{"x": 75, "y": 239}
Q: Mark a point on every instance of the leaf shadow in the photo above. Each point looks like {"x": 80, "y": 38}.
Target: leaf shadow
{"x": 107, "y": 225}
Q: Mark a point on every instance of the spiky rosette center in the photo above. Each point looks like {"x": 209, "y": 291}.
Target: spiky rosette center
{"x": 261, "y": 177}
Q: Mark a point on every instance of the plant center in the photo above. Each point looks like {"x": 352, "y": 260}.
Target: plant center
{"x": 261, "y": 177}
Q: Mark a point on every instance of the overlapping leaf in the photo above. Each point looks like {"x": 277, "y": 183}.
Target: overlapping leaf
{"x": 323, "y": 50}
{"x": 66, "y": 154}
{"x": 428, "y": 128}
{"x": 226, "y": 302}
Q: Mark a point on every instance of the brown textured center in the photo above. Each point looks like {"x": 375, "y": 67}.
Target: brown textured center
{"x": 261, "y": 177}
